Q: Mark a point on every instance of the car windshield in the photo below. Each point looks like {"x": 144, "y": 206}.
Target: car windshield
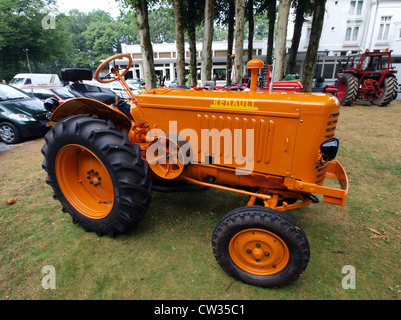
{"x": 17, "y": 80}
{"x": 10, "y": 93}
{"x": 63, "y": 93}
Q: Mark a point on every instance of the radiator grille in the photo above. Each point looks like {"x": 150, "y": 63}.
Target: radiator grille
{"x": 331, "y": 126}
{"x": 263, "y": 133}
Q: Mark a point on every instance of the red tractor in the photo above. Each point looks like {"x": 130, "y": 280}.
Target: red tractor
{"x": 367, "y": 76}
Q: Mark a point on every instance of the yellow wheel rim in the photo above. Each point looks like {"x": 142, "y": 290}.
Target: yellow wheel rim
{"x": 166, "y": 161}
{"x": 84, "y": 181}
{"x": 259, "y": 252}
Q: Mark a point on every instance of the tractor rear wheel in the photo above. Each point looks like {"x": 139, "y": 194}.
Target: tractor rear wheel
{"x": 388, "y": 90}
{"x": 96, "y": 174}
{"x": 260, "y": 246}
{"x": 347, "y": 89}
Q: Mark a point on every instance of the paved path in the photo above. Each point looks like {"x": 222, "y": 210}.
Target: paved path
{"x": 4, "y": 146}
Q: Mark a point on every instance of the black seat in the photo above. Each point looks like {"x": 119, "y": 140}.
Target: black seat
{"x": 93, "y": 92}
{"x": 86, "y": 90}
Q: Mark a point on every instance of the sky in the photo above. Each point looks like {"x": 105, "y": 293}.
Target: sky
{"x": 110, "y": 6}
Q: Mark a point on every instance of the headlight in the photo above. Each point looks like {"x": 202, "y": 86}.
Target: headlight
{"x": 21, "y": 117}
{"x": 329, "y": 149}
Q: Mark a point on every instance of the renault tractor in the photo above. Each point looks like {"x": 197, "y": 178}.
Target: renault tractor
{"x": 275, "y": 148}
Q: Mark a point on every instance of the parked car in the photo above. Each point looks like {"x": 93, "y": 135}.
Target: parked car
{"x": 135, "y": 81}
{"x": 21, "y": 116}
{"x": 35, "y": 79}
{"x": 117, "y": 88}
{"x": 173, "y": 83}
{"x": 43, "y": 93}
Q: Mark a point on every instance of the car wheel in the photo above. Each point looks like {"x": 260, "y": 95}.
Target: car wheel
{"x": 9, "y": 133}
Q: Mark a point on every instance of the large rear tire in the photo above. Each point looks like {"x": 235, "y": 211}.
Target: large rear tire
{"x": 347, "y": 89}
{"x": 97, "y": 174}
{"x": 260, "y": 246}
{"x": 388, "y": 91}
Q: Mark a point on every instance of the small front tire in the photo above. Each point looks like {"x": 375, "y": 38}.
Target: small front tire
{"x": 260, "y": 246}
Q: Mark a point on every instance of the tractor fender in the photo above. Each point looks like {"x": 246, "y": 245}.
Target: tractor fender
{"x": 92, "y": 107}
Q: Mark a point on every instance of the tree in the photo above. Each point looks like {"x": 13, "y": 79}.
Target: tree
{"x": 226, "y": 21}
{"x": 251, "y": 28}
{"x": 142, "y": 14}
{"x": 230, "y": 39}
{"x": 103, "y": 40}
{"x": 95, "y": 36}
{"x": 180, "y": 42}
{"x": 280, "y": 38}
{"x": 162, "y": 22}
{"x": 271, "y": 8}
{"x": 207, "y": 63}
{"x": 239, "y": 37}
{"x": 311, "y": 54}
{"x": 23, "y": 26}
{"x": 303, "y": 7}
{"x": 193, "y": 16}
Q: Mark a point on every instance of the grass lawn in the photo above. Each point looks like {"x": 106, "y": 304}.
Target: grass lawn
{"x": 169, "y": 255}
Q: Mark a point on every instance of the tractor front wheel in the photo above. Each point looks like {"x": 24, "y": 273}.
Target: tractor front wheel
{"x": 347, "y": 89}
{"x": 388, "y": 90}
{"x": 260, "y": 246}
{"x": 97, "y": 174}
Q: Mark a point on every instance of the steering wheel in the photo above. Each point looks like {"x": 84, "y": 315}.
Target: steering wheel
{"x": 107, "y": 61}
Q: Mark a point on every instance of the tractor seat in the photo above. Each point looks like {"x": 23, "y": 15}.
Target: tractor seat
{"x": 86, "y": 90}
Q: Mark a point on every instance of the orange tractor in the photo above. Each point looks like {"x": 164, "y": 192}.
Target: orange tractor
{"x": 276, "y": 148}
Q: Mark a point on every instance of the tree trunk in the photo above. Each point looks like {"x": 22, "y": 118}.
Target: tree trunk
{"x": 272, "y": 21}
{"x": 311, "y": 54}
{"x": 192, "y": 50}
{"x": 180, "y": 42}
{"x": 230, "y": 39}
{"x": 280, "y": 38}
{"x": 251, "y": 28}
{"x": 207, "y": 63}
{"x": 239, "y": 37}
{"x": 299, "y": 20}
{"x": 146, "y": 45}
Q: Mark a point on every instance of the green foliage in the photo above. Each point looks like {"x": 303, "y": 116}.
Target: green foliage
{"x": 77, "y": 39}
{"x": 21, "y": 28}
{"x": 162, "y": 24}
{"x": 95, "y": 36}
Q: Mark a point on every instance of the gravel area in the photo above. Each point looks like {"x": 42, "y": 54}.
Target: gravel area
{"x": 4, "y": 146}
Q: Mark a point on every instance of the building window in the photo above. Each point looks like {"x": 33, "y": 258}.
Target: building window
{"x": 220, "y": 53}
{"x": 165, "y": 55}
{"x": 355, "y": 8}
{"x": 384, "y": 28}
{"x": 308, "y": 32}
{"x": 352, "y": 34}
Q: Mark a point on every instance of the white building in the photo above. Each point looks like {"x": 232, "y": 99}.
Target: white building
{"x": 165, "y": 57}
{"x": 350, "y": 26}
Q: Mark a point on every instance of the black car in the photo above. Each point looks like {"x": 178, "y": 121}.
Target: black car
{"x": 21, "y": 116}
